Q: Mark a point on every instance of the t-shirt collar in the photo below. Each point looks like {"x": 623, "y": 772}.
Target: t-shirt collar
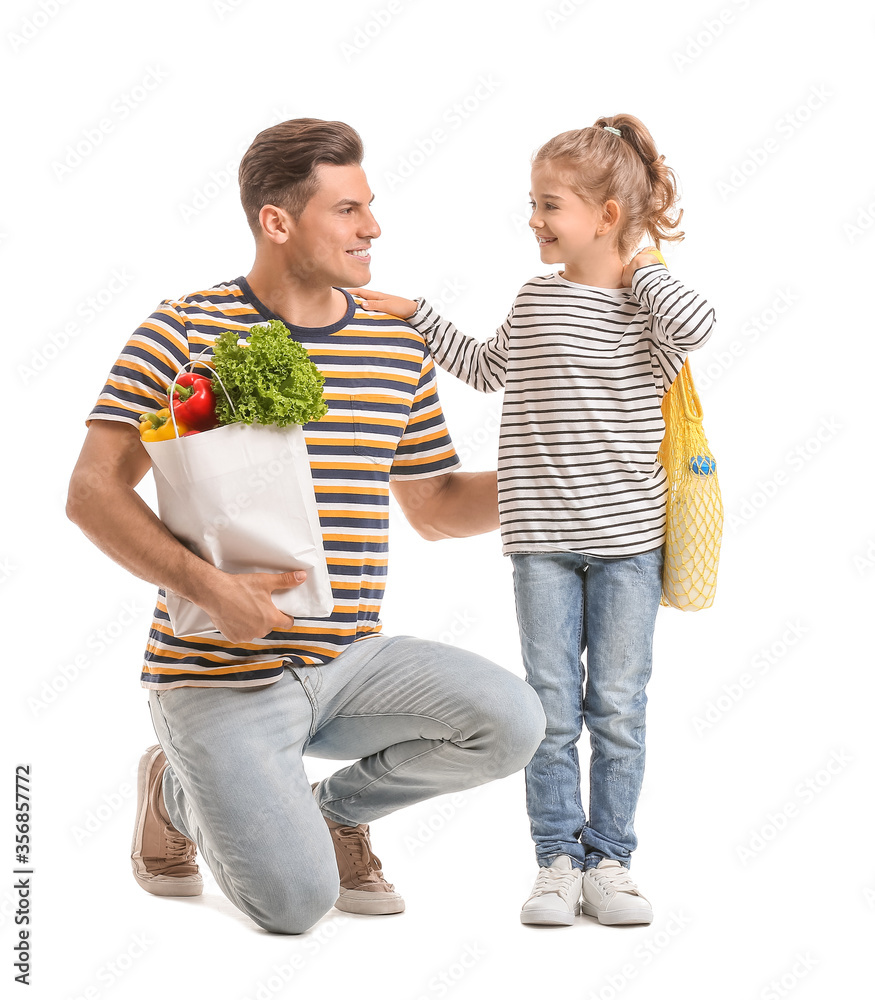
{"x": 298, "y": 332}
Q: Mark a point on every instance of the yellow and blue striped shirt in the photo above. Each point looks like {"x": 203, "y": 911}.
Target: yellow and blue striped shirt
{"x": 384, "y": 421}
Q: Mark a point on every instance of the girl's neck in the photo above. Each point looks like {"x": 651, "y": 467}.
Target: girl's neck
{"x": 604, "y": 273}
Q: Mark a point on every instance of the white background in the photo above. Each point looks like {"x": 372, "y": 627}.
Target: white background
{"x": 756, "y": 818}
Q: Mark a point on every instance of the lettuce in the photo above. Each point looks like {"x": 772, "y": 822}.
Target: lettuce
{"x": 270, "y": 379}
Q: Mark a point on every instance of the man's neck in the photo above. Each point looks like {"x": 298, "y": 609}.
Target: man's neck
{"x": 297, "y": 302}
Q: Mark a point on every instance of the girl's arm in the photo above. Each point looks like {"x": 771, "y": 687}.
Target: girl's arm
{"x": 682, "y": 319}
{"x": 481, "y": 364}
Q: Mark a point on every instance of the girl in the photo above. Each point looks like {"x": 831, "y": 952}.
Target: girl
{"x": 585, "y": 356}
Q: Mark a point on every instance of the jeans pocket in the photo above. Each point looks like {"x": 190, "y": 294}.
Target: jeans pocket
{"x": 310, "y": 690}
{"x": 160, "y": 722}
{"x": 649, "y": 565}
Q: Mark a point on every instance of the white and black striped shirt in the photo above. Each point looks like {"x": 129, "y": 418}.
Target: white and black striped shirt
{"x": 584, "y": 371}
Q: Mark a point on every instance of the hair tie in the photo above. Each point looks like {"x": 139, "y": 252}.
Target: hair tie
{"x": 610, "y": 128}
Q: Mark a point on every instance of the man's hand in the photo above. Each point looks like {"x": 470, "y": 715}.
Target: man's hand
{"x": 242, "y": 608}
{"x": 643, "y": 258}
{"x": 394, "y": 305}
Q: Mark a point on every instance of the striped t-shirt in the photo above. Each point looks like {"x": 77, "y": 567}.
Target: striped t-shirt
{"x": 584, "y": 371}
{"x": 384, "y": 421}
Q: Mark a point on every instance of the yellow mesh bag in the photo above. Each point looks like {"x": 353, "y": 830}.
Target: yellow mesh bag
{"x": 694, "y": 510}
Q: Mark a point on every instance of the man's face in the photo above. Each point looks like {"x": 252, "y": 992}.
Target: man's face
{"x": 330, "y": 242}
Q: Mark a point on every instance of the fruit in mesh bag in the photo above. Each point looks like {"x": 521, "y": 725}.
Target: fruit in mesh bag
{"x": 693, "y": 530}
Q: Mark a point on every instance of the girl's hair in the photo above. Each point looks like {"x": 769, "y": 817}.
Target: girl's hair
{"x": 600, "y": 165}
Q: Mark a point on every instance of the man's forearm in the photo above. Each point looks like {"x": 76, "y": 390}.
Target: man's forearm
{"x": 108, "y": 509}
{"x": 119, "y": 522}
{"x": 453, "y": 506}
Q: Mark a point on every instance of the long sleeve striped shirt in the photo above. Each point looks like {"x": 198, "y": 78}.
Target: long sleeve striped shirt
{"x": 584, "y": 371}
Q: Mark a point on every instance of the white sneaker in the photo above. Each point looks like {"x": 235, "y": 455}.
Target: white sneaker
{"x": 610, "y": 895}
{"x": 555, "y": 898}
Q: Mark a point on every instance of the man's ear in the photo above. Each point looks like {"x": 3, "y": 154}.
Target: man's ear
{"x": 276, "y": 223}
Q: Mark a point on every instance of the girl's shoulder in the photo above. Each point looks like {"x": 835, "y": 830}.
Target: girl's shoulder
{"x": 540, "y": 281}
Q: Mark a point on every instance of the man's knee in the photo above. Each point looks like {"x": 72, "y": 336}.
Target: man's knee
{"x": 517, "y": 720}
{"x": 285, "y": 911}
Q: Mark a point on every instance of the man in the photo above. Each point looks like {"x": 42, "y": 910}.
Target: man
{"x": 236, "y": 710}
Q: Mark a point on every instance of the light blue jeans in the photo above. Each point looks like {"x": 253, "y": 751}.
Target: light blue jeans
{"x": 425, "y": 718}
{"x": 568, "y": 603}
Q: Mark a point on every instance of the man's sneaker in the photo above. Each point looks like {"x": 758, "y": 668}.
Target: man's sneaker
{"x": 363, "y": 889}
{"x": 162, "y": 858}
{"x": 555, "y": 898}
{"x": 611, "y": 895}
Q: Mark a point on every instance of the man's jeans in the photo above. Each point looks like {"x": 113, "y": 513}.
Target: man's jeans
{"x": 425, "y": 718}
{"x": 568, "y": 602}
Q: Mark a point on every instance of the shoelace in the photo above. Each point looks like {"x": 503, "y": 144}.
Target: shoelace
{"x": 619, "y": 881}
{"x": 368, "y": 866}
{"x": 178, "y": 846}
{"x": 553, "y": 880}
{"x": 178, "y": 854}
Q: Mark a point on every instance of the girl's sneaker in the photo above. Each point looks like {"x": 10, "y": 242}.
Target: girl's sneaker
{"x": 611, "y": 895}
{"x": 555, "y": 898}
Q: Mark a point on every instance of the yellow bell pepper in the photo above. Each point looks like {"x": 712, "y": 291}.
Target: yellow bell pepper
{"x": 159, "y": 426}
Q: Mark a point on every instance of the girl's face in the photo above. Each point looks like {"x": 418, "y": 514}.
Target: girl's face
{"x": 569, "y": 230}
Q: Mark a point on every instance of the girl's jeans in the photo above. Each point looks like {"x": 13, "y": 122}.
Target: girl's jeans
{"x": 568, "y": 603}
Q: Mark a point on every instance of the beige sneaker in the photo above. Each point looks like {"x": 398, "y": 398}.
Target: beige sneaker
{"x": 162, "y": 858}
{"x": 363, "y": 889}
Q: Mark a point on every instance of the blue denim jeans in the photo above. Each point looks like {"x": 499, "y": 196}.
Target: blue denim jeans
{"x": 569, "y": 603}
{"x": 425, "y": 718}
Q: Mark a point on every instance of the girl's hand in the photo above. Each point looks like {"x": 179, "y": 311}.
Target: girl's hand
{"x": 394, "y": 305}
{"x": 641, "y": 259}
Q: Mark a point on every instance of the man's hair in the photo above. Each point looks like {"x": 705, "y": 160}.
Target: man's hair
{"x": 279, "y": 168}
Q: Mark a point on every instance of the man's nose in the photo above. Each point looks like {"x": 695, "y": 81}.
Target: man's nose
{"x": 370, "y": 227}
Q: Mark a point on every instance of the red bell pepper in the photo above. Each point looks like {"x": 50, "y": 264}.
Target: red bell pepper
{"x": 194, "y": 402}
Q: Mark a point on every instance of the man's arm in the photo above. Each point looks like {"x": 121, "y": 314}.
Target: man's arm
{"x": 454, "y": 505}
{"x": 102, "y": 501}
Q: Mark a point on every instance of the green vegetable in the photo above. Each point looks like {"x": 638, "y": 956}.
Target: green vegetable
{"x": 270, "y": 379}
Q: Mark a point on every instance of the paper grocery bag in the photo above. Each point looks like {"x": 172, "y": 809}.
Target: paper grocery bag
{"x": 241, "y": 497}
